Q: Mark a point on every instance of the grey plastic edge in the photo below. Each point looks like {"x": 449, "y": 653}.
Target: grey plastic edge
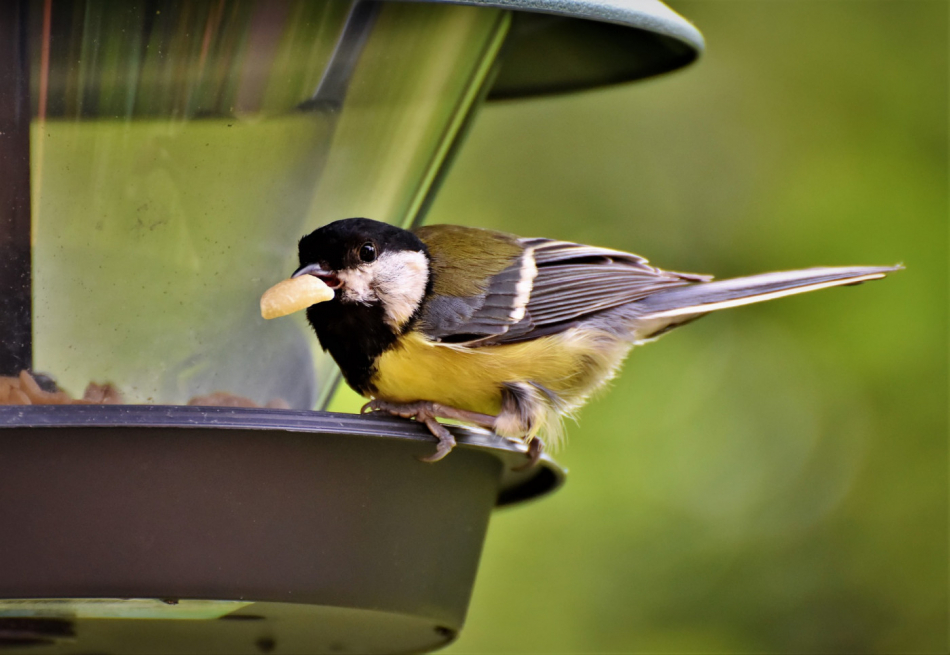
{"x": 649, "y": 15}
{"x": 517, "y": 486}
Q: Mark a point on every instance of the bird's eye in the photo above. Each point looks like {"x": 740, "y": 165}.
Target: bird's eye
{"x": 368, "y": 252}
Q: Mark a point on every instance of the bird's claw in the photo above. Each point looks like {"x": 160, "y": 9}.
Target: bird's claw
{"x": 422, "y": 413}
{"x": 446, "y": 440}
{"x": 369, "y": 408}
{"x": 535, "y": 450}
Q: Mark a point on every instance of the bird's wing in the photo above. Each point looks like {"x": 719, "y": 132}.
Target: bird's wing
{"x": 481, "y": 282}
{"x": 539, "y": 287}
{"x": 574, "y": 281}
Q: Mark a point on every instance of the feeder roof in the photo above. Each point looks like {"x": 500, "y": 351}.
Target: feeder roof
{"x": 556, "y": 46}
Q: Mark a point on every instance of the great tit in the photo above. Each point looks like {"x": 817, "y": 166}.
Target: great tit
{"x": 507, "y": 333}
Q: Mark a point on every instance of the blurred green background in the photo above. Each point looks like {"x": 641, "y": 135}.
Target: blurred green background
{"x": 772, "y": 478}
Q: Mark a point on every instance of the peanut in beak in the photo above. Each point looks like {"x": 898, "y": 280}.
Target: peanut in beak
{"x": 290, "y": 296}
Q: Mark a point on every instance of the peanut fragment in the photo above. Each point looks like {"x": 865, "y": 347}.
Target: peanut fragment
{"x": 30, "y": 387}
{"x": 23, "y": 389}
{"x": 17, "y": 397}
{"x": 293, "y": 295}
{"x": 222, "y": 399}
{"x": 101, "y": 394}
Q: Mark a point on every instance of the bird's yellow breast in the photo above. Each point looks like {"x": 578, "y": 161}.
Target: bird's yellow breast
{"x": 570, "y": 364}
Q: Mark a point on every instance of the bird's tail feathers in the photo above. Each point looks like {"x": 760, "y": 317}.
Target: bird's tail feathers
{"x": 667, "y": 309}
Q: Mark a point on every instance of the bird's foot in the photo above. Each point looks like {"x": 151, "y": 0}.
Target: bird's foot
{"x": 535, "y": 450}
{"x": 427, "y": 412}
{"x": 423, "y": 412}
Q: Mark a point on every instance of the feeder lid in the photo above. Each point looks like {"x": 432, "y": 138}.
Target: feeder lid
{"x": 555, "y": 46}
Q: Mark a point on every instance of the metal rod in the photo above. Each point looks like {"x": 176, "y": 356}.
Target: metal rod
{"x": 16, "y": 315}
{"x": 331, "y": 91}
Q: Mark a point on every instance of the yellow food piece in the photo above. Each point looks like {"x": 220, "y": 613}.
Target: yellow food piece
{"x": 292, "y": 295}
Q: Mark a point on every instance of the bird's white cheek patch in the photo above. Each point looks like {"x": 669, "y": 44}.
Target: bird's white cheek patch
{"x": 399, "y": 280}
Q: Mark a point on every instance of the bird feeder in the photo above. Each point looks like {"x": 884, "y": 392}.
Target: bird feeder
{"x": 169, "y": 481}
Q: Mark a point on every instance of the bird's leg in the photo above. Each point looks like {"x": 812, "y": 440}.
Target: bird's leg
{"x": 427, "y": 412}
{"x": 486, "y": 421}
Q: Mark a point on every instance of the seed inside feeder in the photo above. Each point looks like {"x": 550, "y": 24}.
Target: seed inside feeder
{"x": 293, "y": 295}
{"x": 25, "y": 389}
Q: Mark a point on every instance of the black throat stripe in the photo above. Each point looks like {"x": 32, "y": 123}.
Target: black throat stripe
{"x": 355, "y": 335}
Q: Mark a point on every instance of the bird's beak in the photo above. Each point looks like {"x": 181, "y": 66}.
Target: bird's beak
{"x": 329, "y": 278}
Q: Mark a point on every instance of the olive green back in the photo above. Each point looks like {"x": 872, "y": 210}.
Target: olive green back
{"x": 465, "y": 258}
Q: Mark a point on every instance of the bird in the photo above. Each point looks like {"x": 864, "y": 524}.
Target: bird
{"x": 507, "y": 333}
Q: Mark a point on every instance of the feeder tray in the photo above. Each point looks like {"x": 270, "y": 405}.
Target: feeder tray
{"x": 223, "y": 530}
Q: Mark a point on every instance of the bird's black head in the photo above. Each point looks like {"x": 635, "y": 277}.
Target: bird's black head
{"x": 368, "y": 263}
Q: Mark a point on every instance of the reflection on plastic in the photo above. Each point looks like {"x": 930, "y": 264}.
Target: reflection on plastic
{"x": 176, "y": 158}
